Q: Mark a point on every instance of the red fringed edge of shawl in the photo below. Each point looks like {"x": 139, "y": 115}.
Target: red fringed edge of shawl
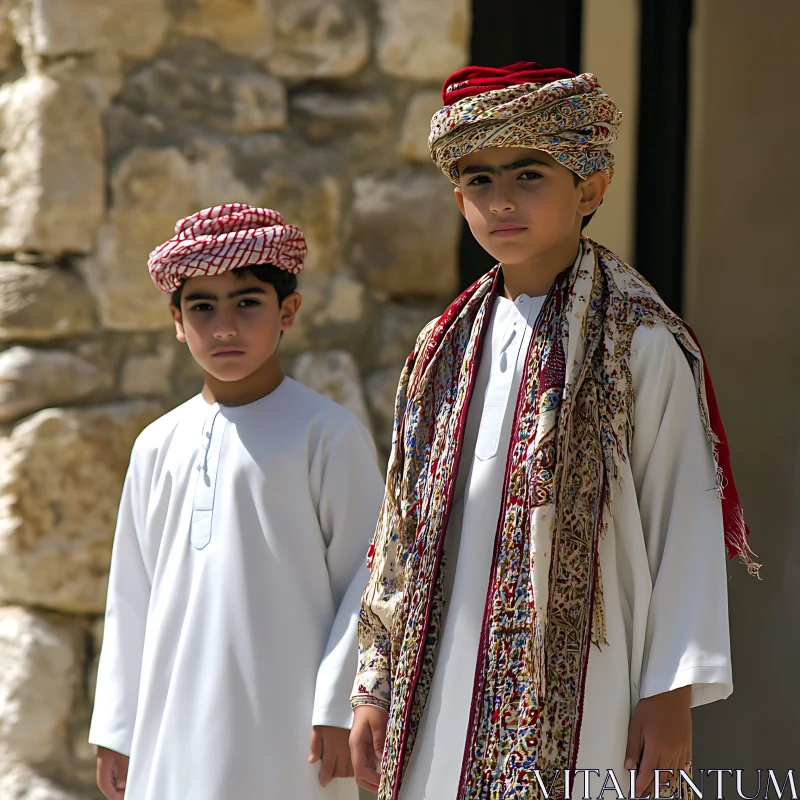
{"x": 736, "y": 530}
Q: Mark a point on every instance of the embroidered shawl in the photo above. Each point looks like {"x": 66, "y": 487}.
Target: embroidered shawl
{"x": 544, "y": 606}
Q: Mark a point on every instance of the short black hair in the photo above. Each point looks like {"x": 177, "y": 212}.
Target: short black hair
{"x": 588, "y": 218}
{"x": 285, "y": 282}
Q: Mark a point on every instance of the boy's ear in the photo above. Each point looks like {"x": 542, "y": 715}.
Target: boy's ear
{"x": 460, "y": 200}
{"x": 180, "y": 334}
{"x": 593, "y": 189}
{"x": 289, "y": 308}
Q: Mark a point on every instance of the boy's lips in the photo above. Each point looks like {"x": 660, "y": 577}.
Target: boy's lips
{"x": 227, "y": 352}
{"x": 505, "y": 229}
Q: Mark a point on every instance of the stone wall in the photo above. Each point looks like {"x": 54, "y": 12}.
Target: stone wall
{"x": 116, "y": 118}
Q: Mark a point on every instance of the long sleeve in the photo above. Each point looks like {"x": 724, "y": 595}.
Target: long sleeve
{"x": 687, "y": 640}
{"x": 350, "y": 496}
{"x": 120, "y": 664}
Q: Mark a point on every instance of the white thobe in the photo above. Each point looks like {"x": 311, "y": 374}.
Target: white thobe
{"x": 241, "y": 531}
{"x": 662, "y": 559}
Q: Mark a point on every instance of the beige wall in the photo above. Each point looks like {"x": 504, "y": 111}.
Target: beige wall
{"x": 743, "y": 285}
{"x": 610, "y": 49}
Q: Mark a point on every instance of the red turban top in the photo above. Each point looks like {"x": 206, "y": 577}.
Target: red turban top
{"x": 470, "y": 81}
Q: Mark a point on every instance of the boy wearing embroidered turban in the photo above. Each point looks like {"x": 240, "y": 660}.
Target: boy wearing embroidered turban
{"x": 548, "y": 581}
{"x": 245, "y": 515}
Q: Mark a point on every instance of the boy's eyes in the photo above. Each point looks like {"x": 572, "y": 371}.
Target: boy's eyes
{"x": 246, "y": 302}
{"x": 482, "y": 180}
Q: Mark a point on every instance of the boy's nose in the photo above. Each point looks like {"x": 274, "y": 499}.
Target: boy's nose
{"x": 225, "y": 332}
{"x": 501, "y": 202}
{"x": 224, "y": 329}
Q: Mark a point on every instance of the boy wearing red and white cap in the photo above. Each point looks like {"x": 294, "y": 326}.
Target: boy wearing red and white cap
{"x": 244, "y": 519}
{"x": 548, "y": 584}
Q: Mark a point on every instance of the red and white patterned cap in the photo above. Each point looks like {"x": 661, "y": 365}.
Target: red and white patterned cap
{"x": 223, "y": 238}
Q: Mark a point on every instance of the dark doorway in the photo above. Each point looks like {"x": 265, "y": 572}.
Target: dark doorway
{"x": 505, "y": 31}
{"x": 661, "y": 168}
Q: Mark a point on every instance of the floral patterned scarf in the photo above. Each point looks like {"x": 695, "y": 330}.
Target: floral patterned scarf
{"x": 544, "y": 607}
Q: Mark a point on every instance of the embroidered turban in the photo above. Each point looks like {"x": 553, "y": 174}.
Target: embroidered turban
{"x": 223, "y": 238}
{"x": 565, "y": 115}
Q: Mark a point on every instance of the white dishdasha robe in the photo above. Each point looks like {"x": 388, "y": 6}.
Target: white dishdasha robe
{"x": 241, "y": 531}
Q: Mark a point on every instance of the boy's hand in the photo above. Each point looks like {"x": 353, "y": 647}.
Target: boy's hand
{"x": 660, "y": 737}
{"x": 112, "y": 773}
{"x": 330, "y": 745}
{"x": 366, "y": 745}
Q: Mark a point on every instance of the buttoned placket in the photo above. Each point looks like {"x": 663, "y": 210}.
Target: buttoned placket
{"x": 520, "y": 324}
{"x": 206, "y": 483}
{"x": 501, "y": 378}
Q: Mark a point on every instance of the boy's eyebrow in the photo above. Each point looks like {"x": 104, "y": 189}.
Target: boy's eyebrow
{"x": 523, "y": 162}
{"x": 246, "y": 290}
{"x": 194, "y": 296}
{"x": 190, "y": 298}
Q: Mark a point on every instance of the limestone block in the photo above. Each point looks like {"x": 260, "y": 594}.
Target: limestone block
{"x": 150, "y": 374}
{"x": 97, "y": 644}
{"x": 7, "y": 43}
{"x": 38, "y": 680}
{"x": 52, "y": 171}
{"x": 100, "y": 74}
{"x": 126, "y": 130}
{"x": 187, "y": 376}
{"x": 41, "y": 303}
{"x": 422, "y": 40}
{"x": 332, "y": 314}
{"x": 406, "y": 230}
{"x": 193, "y": 85}
{"x": 19, "y": 782}
{"x": 324, "y": 116}
{"x": 65, "y": 27}
{"x": 258, "y": 104}
{"x": 61, "y": 474}
{"x": 396, "y": 331}
{"x": 244, "y": 27}
{"x": 381, "y": 390}
{"x": 135, "y": 30}
{"x": 319, "y": 39}
{"x": 84, "y": 755}
{"x": 214, "y": 172}
{"x": 314, "y": 203}
{"x": 417, "y": 126}
{"x": 333, "y": 373}
{"x": 151, "y": 190}
{"x": 33, "y": 379}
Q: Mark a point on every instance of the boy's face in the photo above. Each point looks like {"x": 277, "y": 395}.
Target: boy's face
{"x": 521, "y": 204}
{"x": 232, "y": 323}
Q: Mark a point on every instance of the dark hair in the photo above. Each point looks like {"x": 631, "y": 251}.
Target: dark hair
{"x": 285, "y": 282}
{"x": 588, "y": 218}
